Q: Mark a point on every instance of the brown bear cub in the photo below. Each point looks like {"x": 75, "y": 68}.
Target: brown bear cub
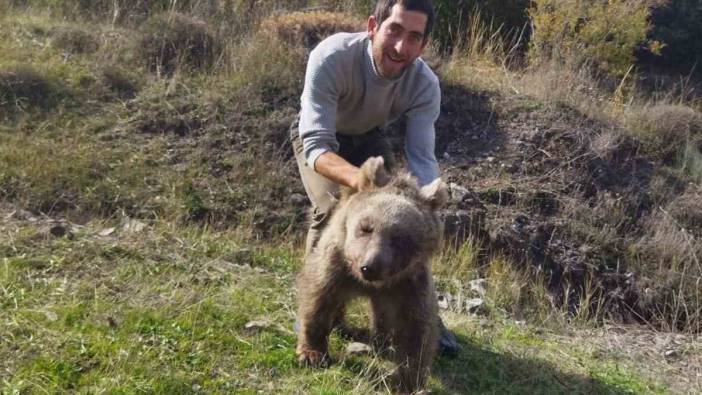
{"x": 378, "y": 243}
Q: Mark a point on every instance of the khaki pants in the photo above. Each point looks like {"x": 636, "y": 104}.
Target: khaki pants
{"x": 322, "y": 192}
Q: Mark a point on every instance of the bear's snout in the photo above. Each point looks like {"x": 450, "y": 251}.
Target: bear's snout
{"x": 376, "y": 263}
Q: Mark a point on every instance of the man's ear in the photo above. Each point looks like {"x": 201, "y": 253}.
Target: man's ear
{"x": 372, "y": 27}
{"x": 436, "y": 194}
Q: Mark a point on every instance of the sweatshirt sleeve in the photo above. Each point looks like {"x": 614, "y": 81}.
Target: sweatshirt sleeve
{"x": 420, "y": 135}
{"x": 319, "y": 106}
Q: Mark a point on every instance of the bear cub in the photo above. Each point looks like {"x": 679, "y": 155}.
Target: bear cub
{"x": 378, "y": 244}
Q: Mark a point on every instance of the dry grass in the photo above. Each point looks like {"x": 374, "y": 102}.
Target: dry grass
{"x": 174, "y": 41}
{"x": 309, "y": 28}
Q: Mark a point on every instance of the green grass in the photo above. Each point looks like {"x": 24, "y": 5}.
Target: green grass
{"x": 164, "y": 311}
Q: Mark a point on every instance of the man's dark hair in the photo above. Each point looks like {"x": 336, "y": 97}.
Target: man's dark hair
{"x": 383, "y": 9}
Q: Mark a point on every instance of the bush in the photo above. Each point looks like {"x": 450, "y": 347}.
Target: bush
{"x": 309, "y": 28}
{"x": 23, "y": 87}
{"x": 174, "y": 41}
{"x": 604, "y": 33}
{"x": 74, "y": 40}
{"x": 119, "y": 81}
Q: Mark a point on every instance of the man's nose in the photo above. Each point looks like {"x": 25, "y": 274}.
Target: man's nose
{"x": 400, "y": 46}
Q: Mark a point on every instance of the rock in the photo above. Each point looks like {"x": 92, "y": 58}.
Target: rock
{"x": 457, "y": 192}
{"x": 298, "y": 200}
{"x": 478, "y": 286}
{"x": 475, "y": 306}
{"x": 133, "y": 225}
{"x": 443, "y": 302}
{"x": 58, "y": 231}
{"x": 106, "y": 232}
{"x": 458, "y": 223}
{"x": 257, "y": 325}
{"x": 490, "y": 159}
{"x": 357, "y": 348}
{"x": 670, "y": 354}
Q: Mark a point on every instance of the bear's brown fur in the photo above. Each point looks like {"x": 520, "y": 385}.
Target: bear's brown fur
{"x": 378, "y": 244}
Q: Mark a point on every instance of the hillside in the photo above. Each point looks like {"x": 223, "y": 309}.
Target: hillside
{"x": 151, "y": 215}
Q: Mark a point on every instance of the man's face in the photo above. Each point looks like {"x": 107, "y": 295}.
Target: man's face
{"x": 398, "y": 41}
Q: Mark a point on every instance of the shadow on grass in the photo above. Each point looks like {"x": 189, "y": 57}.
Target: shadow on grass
{"x": 476, "y": 370}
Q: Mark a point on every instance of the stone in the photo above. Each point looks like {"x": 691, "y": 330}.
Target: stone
{"x": 478, "y": 286}
{"x": 475, "y": 306}
{"x": 357, "y": 348}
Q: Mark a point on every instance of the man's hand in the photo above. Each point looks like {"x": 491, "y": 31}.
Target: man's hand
{"x": 337, "y": 169}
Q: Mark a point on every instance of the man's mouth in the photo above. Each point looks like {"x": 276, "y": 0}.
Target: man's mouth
{"x": 395, "y": 59}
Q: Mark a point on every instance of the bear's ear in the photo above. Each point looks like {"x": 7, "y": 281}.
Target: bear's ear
{"x": 373, "y": 174}
{"x": 436, "y": 194}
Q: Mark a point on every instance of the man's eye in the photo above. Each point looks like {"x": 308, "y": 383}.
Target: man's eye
{"x": 366, "y": 229}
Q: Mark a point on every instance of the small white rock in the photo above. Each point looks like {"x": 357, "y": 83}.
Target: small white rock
{"x": 257, "y": 325}
{"x": 443, "y": 302}
{"x": 475, "y": 305}
{"x": 107, "y": 232}
{"x": 356, "y": 348}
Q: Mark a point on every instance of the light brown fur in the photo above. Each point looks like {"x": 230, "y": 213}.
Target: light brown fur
{"x": 391, "y": 227}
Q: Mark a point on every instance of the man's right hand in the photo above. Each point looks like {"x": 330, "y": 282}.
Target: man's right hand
{"x": 337, "y": 169}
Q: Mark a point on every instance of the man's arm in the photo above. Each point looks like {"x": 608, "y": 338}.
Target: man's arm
{"x": 420, "y": 134}
{"x": 337, "y": 169}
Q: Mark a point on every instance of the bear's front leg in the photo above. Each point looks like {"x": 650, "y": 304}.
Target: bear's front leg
{"x": 320, "y": 304}
{"x": 415, "y": 337}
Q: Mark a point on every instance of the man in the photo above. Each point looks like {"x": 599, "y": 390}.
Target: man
{"x": 355, "y": 84}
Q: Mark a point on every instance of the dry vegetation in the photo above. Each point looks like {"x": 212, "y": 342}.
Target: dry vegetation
{"x": 575, "y": 195}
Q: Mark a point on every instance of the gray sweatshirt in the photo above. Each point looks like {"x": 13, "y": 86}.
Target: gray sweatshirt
{"x": 345, "y": 94}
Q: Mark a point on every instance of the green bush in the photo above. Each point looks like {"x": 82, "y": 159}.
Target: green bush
{"x": 603, "y": 33}
{"x": 22, "y": 87}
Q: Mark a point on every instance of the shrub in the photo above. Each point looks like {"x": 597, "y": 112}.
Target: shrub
{"x": 119, "y": 81}
{"x": 309, "y": 28}
{"x": 74, "y": 40}
{"x": 665, "y": 130}
{"x": 604, "y": 33}
{"x": 23, "y": 87}
{"x": 174, "y": 41}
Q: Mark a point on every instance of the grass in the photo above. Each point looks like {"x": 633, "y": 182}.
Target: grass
{"x": 165, "y": 310}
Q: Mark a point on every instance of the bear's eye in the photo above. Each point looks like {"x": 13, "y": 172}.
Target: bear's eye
{"x": 365, "y": 228}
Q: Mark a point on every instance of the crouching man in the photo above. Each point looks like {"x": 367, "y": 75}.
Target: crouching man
{"x": 355, "y": 84}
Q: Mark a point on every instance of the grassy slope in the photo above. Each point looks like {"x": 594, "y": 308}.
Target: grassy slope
{"x": 118, "y": 309}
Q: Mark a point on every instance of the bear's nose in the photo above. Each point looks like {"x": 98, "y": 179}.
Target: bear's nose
{"x": 367, "y": 273}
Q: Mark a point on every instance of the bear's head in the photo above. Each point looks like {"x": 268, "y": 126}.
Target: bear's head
{"x": 391, "y": 225}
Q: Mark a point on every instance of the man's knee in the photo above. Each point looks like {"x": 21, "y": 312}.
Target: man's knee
{"x": 318, "y": 220}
